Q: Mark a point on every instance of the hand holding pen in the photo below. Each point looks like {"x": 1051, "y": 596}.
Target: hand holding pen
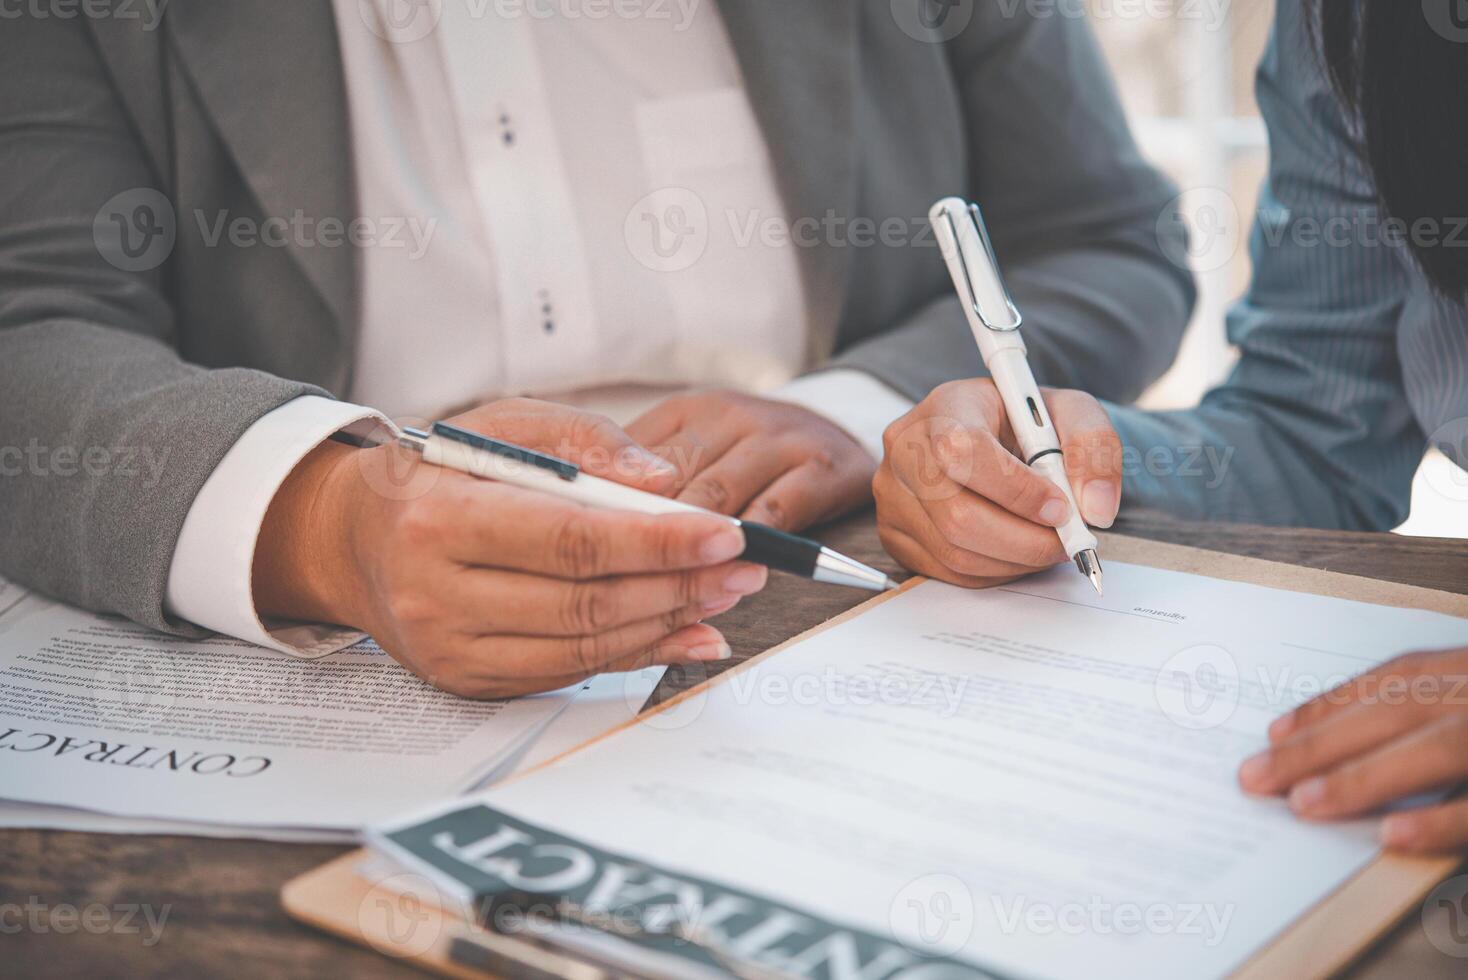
{"x": 994, "y": 478}
{"x": 490, "y": 590}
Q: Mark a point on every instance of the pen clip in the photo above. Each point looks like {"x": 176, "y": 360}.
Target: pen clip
{"x": 979, "y": 265}
{"x": 562, "y": 468}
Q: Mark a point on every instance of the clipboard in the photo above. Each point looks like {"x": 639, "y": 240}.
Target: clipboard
{"x": 344, "y": 898}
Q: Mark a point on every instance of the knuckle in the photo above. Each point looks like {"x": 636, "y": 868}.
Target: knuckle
{"x": 589, "y": 429}
{"x": 578, "y": 546}
{"x": 1027, "y": 495}
{"x": 418, "y": 524}
{"x": 408, "y": 607}
{"x": 1038, "y": 550}
{"x": 687, "y": 589}
{"x": 948, "y": 520}
{"x": 953, "y": 557}
{"x": 590, "y": 608}
{"x": 777, "y": 512}
{"x": 712, "y": 491}
{"x": 586, "y": 653}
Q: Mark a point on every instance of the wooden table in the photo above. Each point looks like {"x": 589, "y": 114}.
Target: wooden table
{"x": 224, "y": 916}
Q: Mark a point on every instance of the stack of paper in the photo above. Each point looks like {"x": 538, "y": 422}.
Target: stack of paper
{"x": 1033, "y": 781}
{"x": 108, "y": 726}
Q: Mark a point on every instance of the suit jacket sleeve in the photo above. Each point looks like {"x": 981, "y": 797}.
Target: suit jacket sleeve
{"x": 106, "y": 434}
{"x": 1314, "y": 426}
{"x": 1086, "y": 231}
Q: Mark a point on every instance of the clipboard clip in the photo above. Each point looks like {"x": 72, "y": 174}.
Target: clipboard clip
{"x": 518, "y": 915}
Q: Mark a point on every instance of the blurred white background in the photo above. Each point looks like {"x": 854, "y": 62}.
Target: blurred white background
{"x": 1186, "y": 73}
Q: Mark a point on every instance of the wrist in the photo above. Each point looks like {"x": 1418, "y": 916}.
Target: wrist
{"x": 303, "y": 568}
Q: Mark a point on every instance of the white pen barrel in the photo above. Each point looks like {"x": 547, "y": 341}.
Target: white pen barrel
{"x": 590, "y": 490}
{"x": 1035, "y": 433}
{"x": 1028, "y": 416}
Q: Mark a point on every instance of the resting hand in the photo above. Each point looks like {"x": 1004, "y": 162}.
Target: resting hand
{"x": 761, "y": 460}
{"x": 955, "y": 503}
{"x": 489, "y": 590}
{"x": 1392, "y": 733}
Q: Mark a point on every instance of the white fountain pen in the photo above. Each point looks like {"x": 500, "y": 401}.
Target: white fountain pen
{"x": 995, "y": 322}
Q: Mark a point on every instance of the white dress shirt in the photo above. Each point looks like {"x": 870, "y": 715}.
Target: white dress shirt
{"x": 554, "y": 206}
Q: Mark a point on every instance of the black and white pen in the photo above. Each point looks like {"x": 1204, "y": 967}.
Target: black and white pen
{"x": 491, "y": 459}
{"x": 995, "y": 323}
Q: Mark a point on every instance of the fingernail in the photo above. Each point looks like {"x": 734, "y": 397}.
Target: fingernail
{"x": 724, "y": 544}
{"x": 1398, "y": 830}
{"x": 1308, "y": 795}
{"x": 1281, "y": 727}
{"x": 1099, "y": 503}
{"x": 1055, "y": 511}
{"x": 746, "y": 580}
{"x": 1255, "y": 771}
{"x": 722, "y": 604}
{"x": 710, "y": 651}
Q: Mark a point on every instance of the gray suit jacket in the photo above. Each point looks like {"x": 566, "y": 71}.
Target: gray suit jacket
{"x": 239, "y": 106}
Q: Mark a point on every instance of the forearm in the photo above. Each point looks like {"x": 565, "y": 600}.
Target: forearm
{"x": 1243, "y": 462}
{"x": 106, "y": 438}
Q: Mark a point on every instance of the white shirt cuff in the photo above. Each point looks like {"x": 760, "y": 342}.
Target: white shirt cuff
{"x": 854, "y": 400}
{"x": 211, "y": 579}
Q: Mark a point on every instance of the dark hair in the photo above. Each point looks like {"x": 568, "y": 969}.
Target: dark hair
{"x": 1401, "y": 68}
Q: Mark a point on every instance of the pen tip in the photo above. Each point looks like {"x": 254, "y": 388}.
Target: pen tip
{"x": 889, "y": 585}
{"x": 1096, "y": 582}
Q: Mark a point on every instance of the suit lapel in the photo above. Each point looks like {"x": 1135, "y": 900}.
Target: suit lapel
{"x": 800, "y": 62}
{"x": 269, "y": 75}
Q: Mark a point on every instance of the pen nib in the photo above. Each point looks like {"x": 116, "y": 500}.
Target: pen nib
{"x": 1090, "y": 566}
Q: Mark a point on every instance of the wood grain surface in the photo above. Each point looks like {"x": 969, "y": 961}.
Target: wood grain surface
{"x": 223, "y": 913}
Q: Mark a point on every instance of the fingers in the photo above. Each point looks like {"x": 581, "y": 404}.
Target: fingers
{"x": 1431, "y": 757}
{"x": 1391, "y": 683}
{"x": 497, "y": 660}
{"x": 593, "y": 442}
{"x": 1093, "y": 454}
{"x": 1334, "y": 740}
{"x": 506, "y": 527}
{"x": 728, "y": 484}
{"x": 938, "y": 455}
{"x": 812, "y": 492}
{"x": 492, "y": 600}
{"x": 1433, "y": 829}
{"x": 921, "y": 546}
{"x": 968, "y": 534}
{"x": 913, "y": 555}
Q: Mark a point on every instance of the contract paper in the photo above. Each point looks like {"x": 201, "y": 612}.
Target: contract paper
{"x": 1033, "y": 780}
{"x": 99, "y": 714}
{"x": 602, "y": 703}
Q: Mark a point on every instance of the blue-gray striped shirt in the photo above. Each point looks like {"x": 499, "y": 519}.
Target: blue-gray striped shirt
{"x": 1350, "y": 364}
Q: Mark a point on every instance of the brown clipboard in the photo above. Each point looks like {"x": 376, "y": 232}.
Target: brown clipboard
{"x": 341, "y": 898}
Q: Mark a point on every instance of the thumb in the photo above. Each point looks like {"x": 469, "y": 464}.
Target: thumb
{"x": 593, "y": 442}
{"x": 1093, "y": 455}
